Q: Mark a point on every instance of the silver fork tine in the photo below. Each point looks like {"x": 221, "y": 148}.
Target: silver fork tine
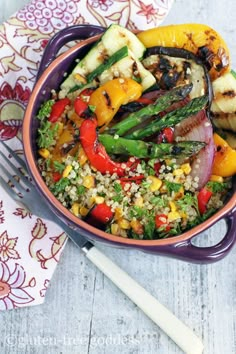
{"x": 13, "y": 180}
{"x": 16, "y": 170}
{"x": 9, "y": 190}
{"x": 16, "y": 157}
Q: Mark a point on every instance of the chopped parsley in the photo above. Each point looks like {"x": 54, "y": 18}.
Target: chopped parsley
{"x": 149, "y": 228}
{"x": 59, "y": 167}
{"x": 119, "y": 192}
{"x": 188, "y": 200}
{"x": 47, "y": 133}
{"x": 45, "y": 109}
{"x": 172, "y": 186}
{"x": 60, "y": 186}
{"x": 81, "y": 190}
{"x": 217, "y": 187}
{"x": 159, "y": 201}
{"x": 137, "y": 212}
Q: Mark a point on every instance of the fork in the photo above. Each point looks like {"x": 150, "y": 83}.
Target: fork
{"x": 24, "y": 193}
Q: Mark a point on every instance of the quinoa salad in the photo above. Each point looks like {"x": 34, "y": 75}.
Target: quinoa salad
{"x": 126, "y": 143}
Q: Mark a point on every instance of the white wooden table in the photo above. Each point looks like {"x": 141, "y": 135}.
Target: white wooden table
{"x": 84, "y": 313}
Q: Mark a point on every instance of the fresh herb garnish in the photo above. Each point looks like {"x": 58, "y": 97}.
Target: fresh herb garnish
{"x": 137, "y": 212}
{"x": 59, "y": 167}
{"x": 47, "y": 133}
{"x": 217, "y": 187}
{"x": 188, "y": 200}
{"x": 45, "y": 109}
{"x": 119, "y": 195}
{"x": 81, "y": 190}
{"x": 149, "y": 228}
{"x": 159, "y": 201}
{"x": 172, "y": 186}
{"x": 92, "y": 108}
{"x": 60, "y": 186}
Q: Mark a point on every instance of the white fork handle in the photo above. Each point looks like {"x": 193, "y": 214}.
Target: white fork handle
{"x": 167, "y": 321}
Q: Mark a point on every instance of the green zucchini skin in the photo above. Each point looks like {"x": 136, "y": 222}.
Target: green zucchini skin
{"x": 93, "y": 65}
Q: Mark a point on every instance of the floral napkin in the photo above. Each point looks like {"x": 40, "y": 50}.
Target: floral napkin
{"x": 30, "y": 247}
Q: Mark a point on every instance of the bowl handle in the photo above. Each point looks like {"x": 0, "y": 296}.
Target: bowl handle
{"x": 186, "y": 251}
{"x": 63, "y": 37}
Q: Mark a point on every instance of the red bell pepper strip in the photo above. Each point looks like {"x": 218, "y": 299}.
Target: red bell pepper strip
{"x": 58, "y": 109}
{"x": 168, "y": 133}
{"x": 56, "y": 176}
{"x": 203, "y": 198}
{"x": 161, "y": 221}
{"x": 99, "y": 215}
{"x": 156, "y": 167}
{"x": 96, "y": 152}
{"x": 80, "y": 106}
{"x": 81, "y": 103}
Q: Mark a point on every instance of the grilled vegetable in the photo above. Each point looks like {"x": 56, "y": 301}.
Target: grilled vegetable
{"x": 105, "y": 60}
{"x": 225, "y": 158}
{"x": 223, "y": 106}
{"x": 200, "y": 39}
{"x": 141, "y": 149}
{"x": 198, "y": 127}
{"x": 96, "y": 152}
{"x": 173, "y": 67}
{"x": 170, "y": 119}
{"x": 162, "y": 103}
{"x": 108, "y": 98}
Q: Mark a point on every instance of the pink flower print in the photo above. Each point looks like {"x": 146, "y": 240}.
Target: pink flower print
{"x": 102, "y": 4}
{"x": 148, "y": 11}
{"x": 12, "y": 294}
{"x": 7, "y": 247}
{"x": 48, "y": 16}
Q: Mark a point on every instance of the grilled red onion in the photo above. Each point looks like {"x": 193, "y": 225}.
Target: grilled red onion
{"x": 199, "y": 128}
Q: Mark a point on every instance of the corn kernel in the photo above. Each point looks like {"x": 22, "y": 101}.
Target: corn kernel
{"x": 183, "y": 215}
{"x": 83, "y": 211}
{"x": 115, "y": 230}
{"x": 75, "y": 209}
{"x": 80, "y": 78}
{"x": 44, "y": 153}
{"x": 136, "y": 226}
{"x": 179, "y": 194}
{"x": 172, "y": 206}
{"x": 178, "y": 172}
{"x": 139, "y": 202}
{"x": 89, "y": 182}
{"x": 98, "y": 199}
{"x": 82, "y": 157}
{"x": 124, "y": 224}
{"x": 186, "y": 168}
{"x": 155, "y": 183}
{"x": 173, "y": 215}
{"x": 67, "y": 171}
{"x": 215, "y": 178}
{"x": 118, "y": 213}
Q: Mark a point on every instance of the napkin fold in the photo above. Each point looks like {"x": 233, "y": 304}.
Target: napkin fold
{"x": 30, "y": 247}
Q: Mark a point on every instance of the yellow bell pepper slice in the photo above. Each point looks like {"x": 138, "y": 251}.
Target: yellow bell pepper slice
{"x": 197, "y": 38}
{"x": 108, "y": 98}
{"x": 224, "y": 164}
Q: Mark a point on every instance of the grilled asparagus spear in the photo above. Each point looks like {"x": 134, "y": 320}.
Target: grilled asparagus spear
{"x": 170, "y": 119}
{"x": 162, "y": 103}
{"x": 141, "y": 149}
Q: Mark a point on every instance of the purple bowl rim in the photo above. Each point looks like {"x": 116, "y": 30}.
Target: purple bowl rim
{"x": 228, "y": 209}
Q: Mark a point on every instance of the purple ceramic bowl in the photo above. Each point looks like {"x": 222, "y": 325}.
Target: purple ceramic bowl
{"x": 50, "y": 76}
